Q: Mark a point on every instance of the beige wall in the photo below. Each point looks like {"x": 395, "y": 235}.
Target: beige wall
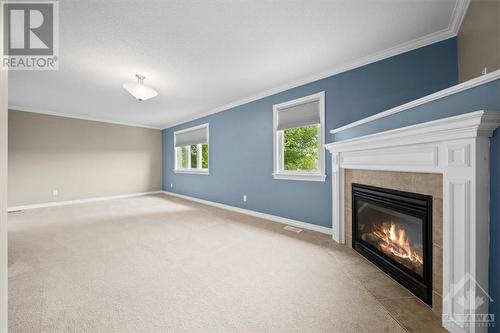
{"x": 479, "y": 39}
{"x": 79, "y": 158}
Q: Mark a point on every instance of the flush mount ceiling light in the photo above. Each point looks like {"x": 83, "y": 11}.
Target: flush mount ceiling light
{"x": 140, "y": 91}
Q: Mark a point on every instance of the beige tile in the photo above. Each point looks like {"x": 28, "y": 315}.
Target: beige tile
{"x": 437, "y": 304}
{"x": 348, "y": 203}
{"x": 348, "y": 174}
{"x": 347, "y": 209}
{"x": 397, "y": 180}
{"x": 373, "y": 178}
{"x": 379, "y": 180}
{"x": 425, "y": 183}
{"x": 413, "y": 315}
{"x": 347, "y": 189}
{"x": 437, "y": 269}
{"x": 428, "y": 183}
{"x": 348, "y": 240}
{"x": 437, "y": 221}
{"x": 348, "y": 223}
{"x": 382, "y": 286}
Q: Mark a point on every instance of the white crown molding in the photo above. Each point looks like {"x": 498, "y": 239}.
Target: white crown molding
{"x": 279, "y": 219}
{"x": 402, "y": 48}
{"x": 458, "y": 148}
{"x": 79, "y": 201}
{"x": 495, "y": 75}
{"x": 72, "y": 116}
{"x": 458, "y": 15}
{"x": 452, "y": 30}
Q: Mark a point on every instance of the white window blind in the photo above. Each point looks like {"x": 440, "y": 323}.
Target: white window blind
{"x": 192, "y": 137}
{"x": 299, "y": 115}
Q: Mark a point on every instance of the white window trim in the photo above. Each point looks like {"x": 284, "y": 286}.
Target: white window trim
{"x": 198, "y": 170}
{"x": 319, "y": 175}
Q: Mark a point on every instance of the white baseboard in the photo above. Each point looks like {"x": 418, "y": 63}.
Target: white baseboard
{"x": 279, "y": 219}
{"x": 79, "y": 201}
{"x": 274, "y": 218}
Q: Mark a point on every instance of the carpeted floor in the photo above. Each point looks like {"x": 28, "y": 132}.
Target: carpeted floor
{"x": 161, "y": 264}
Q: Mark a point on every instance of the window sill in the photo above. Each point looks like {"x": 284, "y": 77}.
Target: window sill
{"x": 300, "y": 176}
{"x": 193, "y": 171}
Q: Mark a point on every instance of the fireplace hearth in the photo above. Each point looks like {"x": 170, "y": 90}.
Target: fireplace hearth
{"x": 393, "y": 229}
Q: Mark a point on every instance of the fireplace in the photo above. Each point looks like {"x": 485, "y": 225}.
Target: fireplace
{"x": 393, "y": 229}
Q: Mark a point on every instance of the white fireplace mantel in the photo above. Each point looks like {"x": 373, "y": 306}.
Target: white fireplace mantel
{"x": 458, "y": 148}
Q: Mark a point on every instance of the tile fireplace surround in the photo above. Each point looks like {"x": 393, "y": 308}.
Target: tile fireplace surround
{"x": 421, "y": 183}
{"x": 448, "y": 159}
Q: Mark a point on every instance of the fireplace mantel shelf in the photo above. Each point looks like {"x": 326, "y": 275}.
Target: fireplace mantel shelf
{"x": 458, "y": 148}
{"x": 478, "y": 123}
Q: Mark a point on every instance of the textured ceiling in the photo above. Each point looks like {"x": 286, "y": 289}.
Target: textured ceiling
{"x": 203, "y": 55}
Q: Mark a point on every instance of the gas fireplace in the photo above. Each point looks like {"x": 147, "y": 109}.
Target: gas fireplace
{"x": 393, "y": 229}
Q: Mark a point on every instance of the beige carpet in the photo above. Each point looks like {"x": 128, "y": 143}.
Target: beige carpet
{"x": 159, "y": 264}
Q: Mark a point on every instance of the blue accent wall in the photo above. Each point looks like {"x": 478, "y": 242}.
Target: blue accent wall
{"x": 241, "y": 138}
{"x": 484, "y": 97}
{"x": 241, "y": 160}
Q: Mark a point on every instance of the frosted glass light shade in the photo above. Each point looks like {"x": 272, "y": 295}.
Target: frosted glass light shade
{"x": 140, "y": 91}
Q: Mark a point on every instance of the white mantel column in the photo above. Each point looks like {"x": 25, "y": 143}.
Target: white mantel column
{"x": 465, "y": 233}
{"x": 338, "y": 225}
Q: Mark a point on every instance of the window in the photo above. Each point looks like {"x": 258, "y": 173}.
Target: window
{"x": 191, "y": 150}
{"x": 298, "y": 139}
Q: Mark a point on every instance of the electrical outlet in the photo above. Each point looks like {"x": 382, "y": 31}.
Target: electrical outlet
{"x": 55, "y": 193}
{"x": 245, "y": 198}
{"x": 171, "y": 185}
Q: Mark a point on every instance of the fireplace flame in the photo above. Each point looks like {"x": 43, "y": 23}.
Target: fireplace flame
{"x": 394, "y": 241}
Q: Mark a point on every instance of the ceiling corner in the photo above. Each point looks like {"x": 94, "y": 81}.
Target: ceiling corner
{"x": 458, "y": 15}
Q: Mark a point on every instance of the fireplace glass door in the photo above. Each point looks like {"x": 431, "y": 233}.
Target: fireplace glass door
{"x": 393, "y": 229}
{"x": 397, "y": 235}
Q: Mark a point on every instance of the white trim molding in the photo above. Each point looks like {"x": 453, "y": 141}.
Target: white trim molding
{"x": 456, "y": 19}
{"x": 495, "y": 75}
{"x": 278, "y": 157}
{"x": 438, "y": 36}
{"x": 203, "y": 172}
{"x": 458, "y": 148}
{"x": 300, "y": 176}
{"x": 274, "y": 218}
{"x": 75, "y": 116}
{"x": 79, "y": 201}
{"x": 458, "y": 15}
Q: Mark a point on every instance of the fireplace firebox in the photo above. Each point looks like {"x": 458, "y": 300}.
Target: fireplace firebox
{"x": 393, "y": 229}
